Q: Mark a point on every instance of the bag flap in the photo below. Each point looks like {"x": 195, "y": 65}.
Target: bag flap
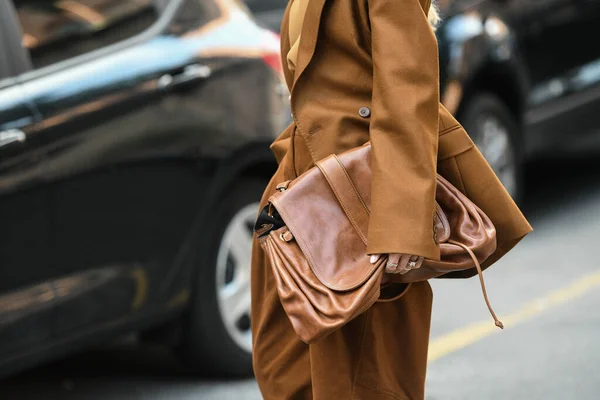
{"x": 328, "y": 239}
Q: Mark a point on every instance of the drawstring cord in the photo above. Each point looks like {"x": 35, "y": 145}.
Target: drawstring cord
{"x": 499, "y": 324}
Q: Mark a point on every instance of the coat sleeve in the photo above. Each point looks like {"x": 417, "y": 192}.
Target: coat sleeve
{"x": 404, "y": 129}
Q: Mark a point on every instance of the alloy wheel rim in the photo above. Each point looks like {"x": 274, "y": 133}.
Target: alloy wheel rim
{"x": 495, "y": 144}
{"x": 233, "y": 276}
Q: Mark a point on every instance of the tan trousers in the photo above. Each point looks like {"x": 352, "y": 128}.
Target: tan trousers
{"x": 380, "y": 355}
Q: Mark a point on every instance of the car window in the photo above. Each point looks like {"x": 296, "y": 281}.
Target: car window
{"x": 56, "y": 30}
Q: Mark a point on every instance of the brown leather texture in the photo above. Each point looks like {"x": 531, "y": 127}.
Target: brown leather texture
{"x": 319, "y": 258}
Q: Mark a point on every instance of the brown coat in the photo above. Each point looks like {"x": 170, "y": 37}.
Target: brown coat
{"x": 368, "y": 70}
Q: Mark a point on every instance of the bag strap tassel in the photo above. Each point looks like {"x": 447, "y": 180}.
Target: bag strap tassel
{"x": 498, "y": 323}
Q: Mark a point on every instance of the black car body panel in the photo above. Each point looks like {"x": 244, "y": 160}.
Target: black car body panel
{"x": 123, "y": 152}
{"x": 535, "y": 56}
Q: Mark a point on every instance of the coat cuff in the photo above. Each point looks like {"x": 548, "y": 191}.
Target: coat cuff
{"x": 388, "y": 241}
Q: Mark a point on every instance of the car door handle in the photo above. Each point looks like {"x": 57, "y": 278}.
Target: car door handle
{"x": 12, "y": 135}
{"x": 189, "y": 74}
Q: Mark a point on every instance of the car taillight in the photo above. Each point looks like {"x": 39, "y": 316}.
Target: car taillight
{"x": 274, "y": 61}
{"x": 272, "y": 56}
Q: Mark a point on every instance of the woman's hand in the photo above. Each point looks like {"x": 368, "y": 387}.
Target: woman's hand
{"x": 399, "y": 263}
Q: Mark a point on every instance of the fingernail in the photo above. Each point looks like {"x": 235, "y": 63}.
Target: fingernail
{"x": 373, "y": 259}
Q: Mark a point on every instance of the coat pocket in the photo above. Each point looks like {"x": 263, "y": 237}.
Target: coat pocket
{"x": 453, "y": 141}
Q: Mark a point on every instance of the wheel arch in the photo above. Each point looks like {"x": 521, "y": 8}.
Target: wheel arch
{"x": 246, "y": 167}
{"x": 500, "y": 81}
{"x": 254, "y": 160}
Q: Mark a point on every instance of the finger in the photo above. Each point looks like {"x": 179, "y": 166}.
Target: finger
{"x": 394, "y": 258}
{"x": 412, "y": 264}
{"x": 392, "y": 263}
{"x": 405, "y": 265}
{"x": 375, "y": 258}
{"x": 419, "y": 262}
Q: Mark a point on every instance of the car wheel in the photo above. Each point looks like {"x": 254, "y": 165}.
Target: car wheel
{"x": 495, "y": 131}
{"x": 216, "y": 337}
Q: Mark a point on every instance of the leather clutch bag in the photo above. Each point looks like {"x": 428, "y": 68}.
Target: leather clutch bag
{"x": 314, "y": 232}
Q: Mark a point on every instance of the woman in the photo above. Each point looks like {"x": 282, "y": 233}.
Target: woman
{"x": 361, "y": 70}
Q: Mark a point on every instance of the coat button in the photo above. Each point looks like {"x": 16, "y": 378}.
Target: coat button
{"x": 364, "y": 112}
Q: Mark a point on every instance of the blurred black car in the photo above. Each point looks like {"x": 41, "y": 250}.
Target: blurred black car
{"x": 133, "y": 153}
{"x": 523, "y": 76}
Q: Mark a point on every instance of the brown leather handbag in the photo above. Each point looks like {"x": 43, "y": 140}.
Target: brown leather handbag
{"x": 314, "y": 232}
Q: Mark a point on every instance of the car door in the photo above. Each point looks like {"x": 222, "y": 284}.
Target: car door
{"x": 95, "y": 109}
{"x": 117, "y": 90}
{"x": 26, "y": 291}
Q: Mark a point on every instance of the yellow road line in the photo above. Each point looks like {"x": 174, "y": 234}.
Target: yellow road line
{"x": 468, "y": 335}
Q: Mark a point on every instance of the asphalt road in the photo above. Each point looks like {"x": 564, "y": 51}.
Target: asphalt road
{"x": 547, "y": 291}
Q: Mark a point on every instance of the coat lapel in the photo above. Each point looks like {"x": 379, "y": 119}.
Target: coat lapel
{"x": 285, "y": 45}
{"x": 310, "y": 33}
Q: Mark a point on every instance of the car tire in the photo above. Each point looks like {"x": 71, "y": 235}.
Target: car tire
{"x": 495, "y": 131}
{"x": 216, "y": 338}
